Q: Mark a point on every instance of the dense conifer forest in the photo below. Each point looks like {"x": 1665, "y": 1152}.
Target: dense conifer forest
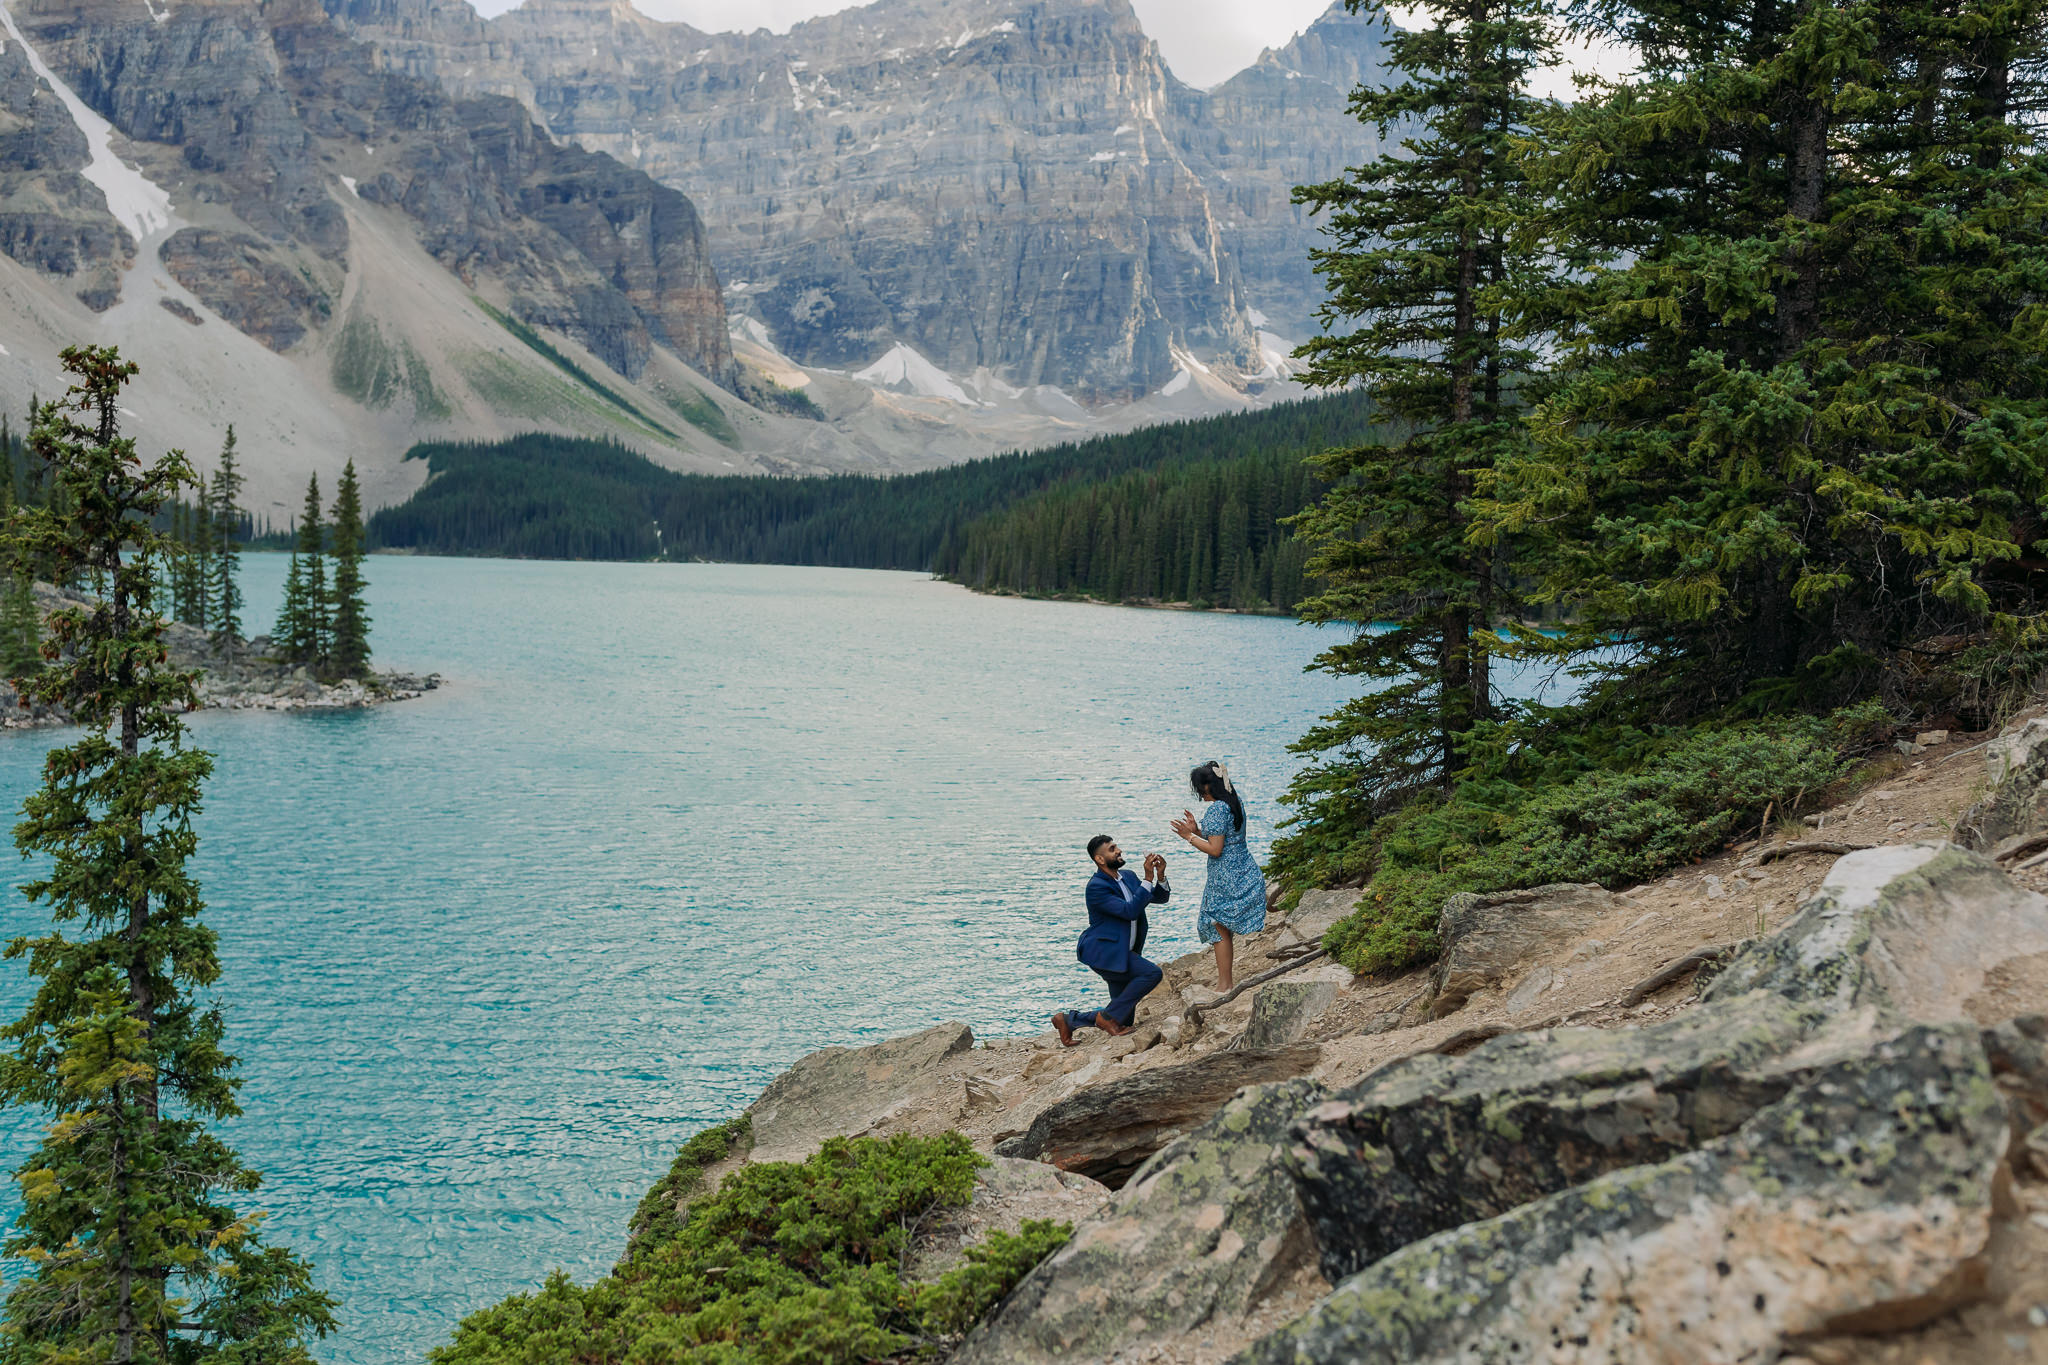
{"x": 1187, "y": 512}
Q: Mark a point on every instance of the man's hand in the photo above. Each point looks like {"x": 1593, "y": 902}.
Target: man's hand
{"x": 1155, "y": 866}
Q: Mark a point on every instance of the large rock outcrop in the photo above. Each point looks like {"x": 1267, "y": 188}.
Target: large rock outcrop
{"x": 1110, "y": 1129}
{"x": 1433, "y": 1142}
{"x": 1860, "y": 1201}
{"x": 1205, "y": 1230}
{"x": 1826, "y": 1121}
{"x": 1925, "y": 931}
{"x": 2015, "y": 770}
{"x": 1489, "y": 937}
{"x": 838, "y": 1090}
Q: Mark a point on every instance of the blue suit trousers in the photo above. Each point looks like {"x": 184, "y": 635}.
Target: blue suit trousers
{"x": 1126, "y": 988}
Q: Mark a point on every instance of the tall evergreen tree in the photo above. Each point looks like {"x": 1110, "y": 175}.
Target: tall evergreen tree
{"x": 303, "y": 633}
{"x": 201, "y": 553}
{"x": 1432, "y": 251}
{"x": 1803, "y": 417}
{"x": 224, "y": 589}
{"x": 288, "y": 636}
{"x": 21, "y": 625}
{"x": 131, "y": 1250}
{"x": 188, "y": 602}
{"x": 348, "y": 654}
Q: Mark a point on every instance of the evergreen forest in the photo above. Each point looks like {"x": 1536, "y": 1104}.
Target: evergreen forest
{"x": 1187, "y": 512}
{"x": 1733, "y": 369}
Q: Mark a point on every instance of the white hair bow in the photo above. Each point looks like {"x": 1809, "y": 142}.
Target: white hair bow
{"x": 1224, "y": 773}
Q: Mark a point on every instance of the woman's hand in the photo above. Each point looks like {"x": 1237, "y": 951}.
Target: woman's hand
{"x": 1187, "y": 829}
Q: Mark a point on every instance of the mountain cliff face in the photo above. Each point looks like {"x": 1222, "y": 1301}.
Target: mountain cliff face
{"x": 955, "y": 226}
{"x": 51, "y": 217}
{"x": 258, "y": 112}
{"x": 1016, "y": 189}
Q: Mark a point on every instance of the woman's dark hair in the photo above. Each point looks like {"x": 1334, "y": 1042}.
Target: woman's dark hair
{"x": 1211, "y": 786}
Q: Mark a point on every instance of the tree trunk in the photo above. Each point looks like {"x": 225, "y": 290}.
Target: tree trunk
{"x": 1806, "y": 164}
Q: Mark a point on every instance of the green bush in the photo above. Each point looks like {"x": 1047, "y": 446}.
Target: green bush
{"x": 1682, "y": 798}
{"x": 787, "y": 1263}
{"x": 659, "y": 1214}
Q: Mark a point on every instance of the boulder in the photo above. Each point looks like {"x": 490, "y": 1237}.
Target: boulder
{"x": 1427, "y": 1143}
{"x": 1924, "y": 931}
{"x": 2015, "y": 766}
{"x": 1488, "y": 938}
{"x": 1316, "y": 911}
{"x": 2018, "y": 1052}
{"x": 1109, "y": 1130}
{"x": 1205, "y": 1230}
{"x": 846, "y": 1090}
{"x": 1283, "y": 1010}
{"x": 1862, "y": 1201}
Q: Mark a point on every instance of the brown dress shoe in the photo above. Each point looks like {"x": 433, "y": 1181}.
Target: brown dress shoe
{"x": 1063, "y": 1028}
{"x": 1111, "y": 1026}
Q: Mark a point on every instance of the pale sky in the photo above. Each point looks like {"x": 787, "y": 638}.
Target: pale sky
{"x": 1205, "y": 41}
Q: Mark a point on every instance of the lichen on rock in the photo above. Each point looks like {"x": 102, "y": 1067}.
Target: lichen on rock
{"x": 1859, "y": 1200}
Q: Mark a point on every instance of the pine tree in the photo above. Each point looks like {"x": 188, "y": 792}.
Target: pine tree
{"x": 303, "y": 635}
{"x": 349, "y": 650}
{"x": 130, "y": 1250}
{"x": 223, "y": 589}
{"x": 1800, "y": 426}
{"x": 288, "y": 637}
{"x": 184, "y": 567}
{"x": 201, "y": 554}
{"x": 1432, "y": 249}
{"x": 21, "y": 625}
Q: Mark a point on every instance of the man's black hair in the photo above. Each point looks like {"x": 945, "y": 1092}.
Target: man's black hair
{"x": 1097, "y": 842}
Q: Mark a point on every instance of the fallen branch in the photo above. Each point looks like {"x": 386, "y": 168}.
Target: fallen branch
{"x": 1670, "y": 972}
{"x": 1798, "y": 846}
{"x": 2020, "y": 846}
{"x": 1191, "y": 1017}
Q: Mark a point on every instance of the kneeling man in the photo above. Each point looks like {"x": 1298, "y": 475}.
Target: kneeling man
{"x": 1115, "y": 937}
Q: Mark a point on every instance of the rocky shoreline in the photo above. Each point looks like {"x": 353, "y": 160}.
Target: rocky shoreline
{"x": 244, "y": 679}
{"x": 1789, "y": 1105}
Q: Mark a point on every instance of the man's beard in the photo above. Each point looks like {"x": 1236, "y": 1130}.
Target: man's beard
{"x": 1115, "y": 864}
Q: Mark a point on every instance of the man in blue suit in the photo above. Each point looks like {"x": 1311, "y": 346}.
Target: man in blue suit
{"x": 1115, "y": 937}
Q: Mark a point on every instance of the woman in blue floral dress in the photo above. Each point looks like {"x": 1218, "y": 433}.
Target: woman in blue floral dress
{"x": 1234, "y": 897}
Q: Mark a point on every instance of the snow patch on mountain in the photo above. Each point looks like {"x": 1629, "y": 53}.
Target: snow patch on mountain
{"x": 904, "y": 370}
{"x": 1278, "y": 354}
{"x": 137, "y": 202}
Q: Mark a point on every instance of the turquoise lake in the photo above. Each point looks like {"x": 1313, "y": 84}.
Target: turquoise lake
{"x": 493, "y": 954}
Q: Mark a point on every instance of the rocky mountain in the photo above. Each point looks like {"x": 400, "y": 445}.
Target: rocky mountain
{"x": 334, "y": 255}
{"x": 957, "y": 226}
{"x": 1018, "y": 191}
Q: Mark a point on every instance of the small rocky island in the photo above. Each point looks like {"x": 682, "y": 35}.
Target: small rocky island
{"x": 246, "y": 678}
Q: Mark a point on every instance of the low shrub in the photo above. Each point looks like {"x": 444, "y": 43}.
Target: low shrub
{"x": 657, "y": 1218}
{"x": 785, "y": 1262}
{"x": 1682, "y": 797}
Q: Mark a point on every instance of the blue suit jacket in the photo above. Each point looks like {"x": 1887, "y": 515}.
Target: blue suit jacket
{"x": 1116, "y": 924}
